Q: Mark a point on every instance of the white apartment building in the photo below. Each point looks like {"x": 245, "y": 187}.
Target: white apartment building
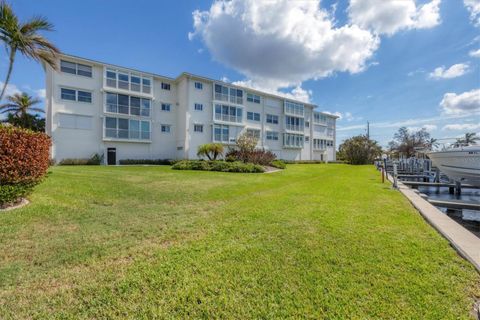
{"x": 94, "y": 107}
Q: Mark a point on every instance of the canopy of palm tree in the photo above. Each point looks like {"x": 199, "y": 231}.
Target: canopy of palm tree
{"x": 470, "y": 138}
{"x": 24, "y": 37}
{"x": 20, "y": 104}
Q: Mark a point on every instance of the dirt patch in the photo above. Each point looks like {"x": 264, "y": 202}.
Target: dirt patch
{"x": 15, "y": 205}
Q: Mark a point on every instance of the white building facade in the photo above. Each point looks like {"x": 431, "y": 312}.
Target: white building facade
{"x": 97, "y": 108}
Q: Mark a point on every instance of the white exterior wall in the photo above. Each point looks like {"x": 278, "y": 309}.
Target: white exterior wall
{"x": 182, "y": 141}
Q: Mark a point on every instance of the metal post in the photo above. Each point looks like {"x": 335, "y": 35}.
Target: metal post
{"x": 395, "y": 173}
{"x": 458, "y": 188}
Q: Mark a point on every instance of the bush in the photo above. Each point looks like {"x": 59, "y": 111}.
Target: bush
{"x": 261, "y": 157}
{"x": 12, "y": 193}
{"x": 95, "y": 159}
{"x": 147, "y": 161}
{"x": 24, "y": 161}
{"x": 278, "y": 164}
{"x": 222, "y": 166}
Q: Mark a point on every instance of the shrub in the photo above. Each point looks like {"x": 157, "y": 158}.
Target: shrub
{"x": 210, "y": 150}
{"x": 24, "y": 161}
{"x": 360, "y": 150}
{"x": 258, "y": 156}
{"x": 222, "y": 166}
{"x": 95, "y": 159}
{"x": 147, "y": 161}
{"x": 24, "y": 155}
{"x": 278, "y": 164}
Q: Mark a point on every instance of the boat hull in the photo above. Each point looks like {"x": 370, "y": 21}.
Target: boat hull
{"x": 462, "y": 165}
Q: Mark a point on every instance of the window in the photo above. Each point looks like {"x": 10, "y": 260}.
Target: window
{"x": 307, "y": 124}
{"x": 330, "y": 132}
{"x": 124, "y": 104}
{"x": 165, "y": 128}
{"x": 224, "y": 93}
{"x": 74, "y": 121}
{"x": 127, "y": 81}
{"x": 320, "y": 129}
{"x": 165, "y": 86}
{"x": 228, "y": 113}
{"x": 307, "y": 139}
{"x": 76, "y": 68}
{"x": 272, "y": 135}
{"x": 198, "y": 107}
{"x": 292, "y": 140}
{"x": 120, "y": 128}
{"x": 166, "y": 106}
{"x": 76, "y": 95}
{"x": 84, "y": 96}
{"x": 220, "y": 133}
{"x": 135, "y": 83}
{"x": 198, "y": 127}
{"x": 273, "y": 119}
{"x": 199, "y": 85}
{"x": 254, "y": 116}
{"x": 320, "y": 144}
{"x": 293, "y": 108}
{"x": 319, "y": 118}
{"x": 293, "y": 123}
{"x": 254, "y": 133}
{"x": 253, "y": 98}
{"x": 69, "y": 94}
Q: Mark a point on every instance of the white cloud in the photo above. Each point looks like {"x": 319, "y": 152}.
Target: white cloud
{"x": 41, "y": 93}
{"x": 388, "y": 17}
{"x": 475, "y": 53}
{"x": 461, "y": 126}
{"x": 282, "y": 43}
{"x": 454, "y": 71}
{"x": 11, "y": 89}
{"x": 428, "y": 127}
{"x": 473, "y": 6}
{"x": 336, "y": 113}
{"x": 464, "y": 103}
{"x": 350, "y": 117}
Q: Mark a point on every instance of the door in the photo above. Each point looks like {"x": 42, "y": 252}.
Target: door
{"x": 112, "y": 156}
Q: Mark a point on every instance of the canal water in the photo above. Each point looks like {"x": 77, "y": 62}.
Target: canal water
{"x": 470, "y": 219}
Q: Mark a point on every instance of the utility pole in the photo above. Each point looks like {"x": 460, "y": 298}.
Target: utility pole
{"x": 368, "y": 130}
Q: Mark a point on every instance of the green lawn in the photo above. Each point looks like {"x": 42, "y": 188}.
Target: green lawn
{"x": 313, "y": 241}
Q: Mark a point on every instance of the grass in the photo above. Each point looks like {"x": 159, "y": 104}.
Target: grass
{"x": 312, "y": 241}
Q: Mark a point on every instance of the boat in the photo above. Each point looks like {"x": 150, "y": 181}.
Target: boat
{"x": 460, "y": 164}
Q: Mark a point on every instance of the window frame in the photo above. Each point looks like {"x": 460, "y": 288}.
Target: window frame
{"x": 198, "y": 85}
{"x": 76, "y": 68}
{"x": 76, "y": 94}
{"x": 197, "y": 125}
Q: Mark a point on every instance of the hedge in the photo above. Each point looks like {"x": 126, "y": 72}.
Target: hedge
{"x": 95, "y": 159}
{"x": 222, "y": 166}
{"x": 24, "y": 161}
{"x": 147, "y": 161}
{"x": 279, "y": 164}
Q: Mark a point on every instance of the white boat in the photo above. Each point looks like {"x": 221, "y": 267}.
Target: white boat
{"x": 460, "y": 164}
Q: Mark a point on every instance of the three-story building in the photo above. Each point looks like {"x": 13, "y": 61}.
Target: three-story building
{"x": 94, "y": 107}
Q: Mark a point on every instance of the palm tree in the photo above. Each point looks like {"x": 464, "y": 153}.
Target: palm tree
{"x": 470, "y": 138}
{"x": 19, "y": 105}
{"x": 210, "y": 150}
{"x": 431, "y": 143}
{"x": 24, "y": 37}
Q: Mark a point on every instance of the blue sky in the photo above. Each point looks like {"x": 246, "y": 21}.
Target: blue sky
{"x": 333, "y": 53}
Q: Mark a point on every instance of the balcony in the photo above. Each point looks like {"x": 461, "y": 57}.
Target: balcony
{"x": 228, "y": 118}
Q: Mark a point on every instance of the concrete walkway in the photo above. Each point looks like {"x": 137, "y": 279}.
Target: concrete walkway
{"x": 465, "y": 242}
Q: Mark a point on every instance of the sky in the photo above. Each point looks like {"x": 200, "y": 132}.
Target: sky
{"x": 393, "y": 63}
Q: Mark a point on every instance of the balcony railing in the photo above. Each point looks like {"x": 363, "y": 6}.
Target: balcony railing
{"x": 293, "y": 127}
{"x": 228, "y": 118}
{"x": 126, "y": 134}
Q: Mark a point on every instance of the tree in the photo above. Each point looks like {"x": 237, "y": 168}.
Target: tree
{"x": 470, "y": 138}
{"x": 431, "y": 143}
{"x": 360, "y": 150}
{"x": 24, "y": 37}
{"x": 246, "y": 142}
{"x": 32, "y": 122}
{"x": 18, "y": 108}
{"x": 210, "y": 150}
{"x": 406, "y": 142}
